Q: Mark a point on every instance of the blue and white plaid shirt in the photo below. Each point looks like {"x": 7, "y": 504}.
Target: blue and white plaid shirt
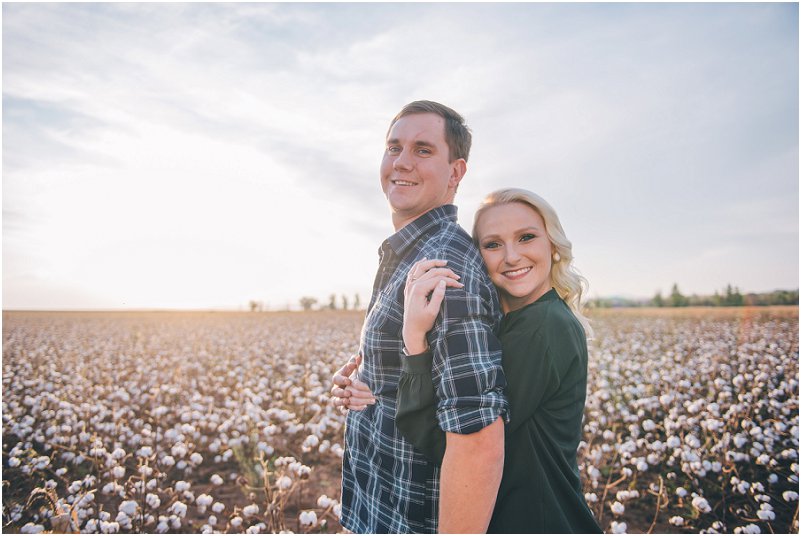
{"x": 388, "y": 486}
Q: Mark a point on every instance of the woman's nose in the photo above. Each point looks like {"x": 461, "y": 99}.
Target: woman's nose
{"x": 512, "y": 256}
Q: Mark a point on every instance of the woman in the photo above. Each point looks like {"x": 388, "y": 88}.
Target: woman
{"x": 543, "y": 332}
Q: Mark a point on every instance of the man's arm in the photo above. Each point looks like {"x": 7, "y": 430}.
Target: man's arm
{"x": 469, "y": 480}
{"x": 471, "y": 408}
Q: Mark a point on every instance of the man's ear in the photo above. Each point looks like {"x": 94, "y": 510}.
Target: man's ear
{"x": 458, "y": 169}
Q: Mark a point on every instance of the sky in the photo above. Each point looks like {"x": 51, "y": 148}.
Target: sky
{"x": 198, "y": 156}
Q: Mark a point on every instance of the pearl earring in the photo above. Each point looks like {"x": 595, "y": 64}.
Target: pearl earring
{"x": 557, "y": 257}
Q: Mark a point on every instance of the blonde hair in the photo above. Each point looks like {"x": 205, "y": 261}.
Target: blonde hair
{"x": 569, "y": 284}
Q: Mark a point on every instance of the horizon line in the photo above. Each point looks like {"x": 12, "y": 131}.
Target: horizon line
{"x": 295, "y": 306}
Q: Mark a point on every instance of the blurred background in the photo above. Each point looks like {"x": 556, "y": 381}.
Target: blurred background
{"x": 211, "y": 156}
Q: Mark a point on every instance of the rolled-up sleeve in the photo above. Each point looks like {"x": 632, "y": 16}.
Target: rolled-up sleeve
{"x": 467, "y": 372}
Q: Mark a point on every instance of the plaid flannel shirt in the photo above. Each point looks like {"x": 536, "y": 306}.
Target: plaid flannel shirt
{"x": 387, "y": 485}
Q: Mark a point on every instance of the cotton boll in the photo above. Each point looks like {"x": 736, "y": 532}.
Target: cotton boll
{"x": 308, "y": 518}
{"x": 617, "y": 528}
{"x": 128, "y": 507}
{"x": 702, "y": 505}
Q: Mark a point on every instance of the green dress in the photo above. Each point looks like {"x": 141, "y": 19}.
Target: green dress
{"x": 545, "y": 364}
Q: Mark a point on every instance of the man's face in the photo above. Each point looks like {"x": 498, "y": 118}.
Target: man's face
{"x": 415, "y": 173}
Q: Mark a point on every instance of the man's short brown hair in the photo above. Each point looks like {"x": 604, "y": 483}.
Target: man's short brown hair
{"x": 457, "y": 134}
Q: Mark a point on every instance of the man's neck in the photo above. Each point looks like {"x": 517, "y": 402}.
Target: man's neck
{"x": 399, "y": 221}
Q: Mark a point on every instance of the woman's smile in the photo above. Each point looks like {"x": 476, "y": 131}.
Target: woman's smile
{"x": 518, "y": 273}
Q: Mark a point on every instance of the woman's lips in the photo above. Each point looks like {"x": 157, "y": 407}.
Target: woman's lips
{"x": 516, "y": 274}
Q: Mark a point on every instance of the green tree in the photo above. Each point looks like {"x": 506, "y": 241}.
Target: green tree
{"x": 728, "y": 297}
{"x": 737, "y": 297}
{"x": 658, "y": 300}
{"x": 307, "y": 302}
{"x": 677, "y": 299}
{"x": 733, "y": 297}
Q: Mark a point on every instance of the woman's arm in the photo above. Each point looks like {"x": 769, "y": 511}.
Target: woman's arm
{"x": 415, "y": 415}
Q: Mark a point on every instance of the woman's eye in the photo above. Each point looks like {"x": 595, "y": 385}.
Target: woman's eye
{"x": 491, "y": 245}
{"x": 526, "y": 237}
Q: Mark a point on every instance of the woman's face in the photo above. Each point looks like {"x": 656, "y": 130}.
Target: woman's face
{"x": 517, "y": 252}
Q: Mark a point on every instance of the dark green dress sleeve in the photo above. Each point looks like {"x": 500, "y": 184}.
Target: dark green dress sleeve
{"x": 415, "y": 415}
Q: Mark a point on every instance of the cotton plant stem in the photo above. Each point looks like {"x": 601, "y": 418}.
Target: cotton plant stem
{"x": 606, "y": 489}
{"x": 658, "y": 505}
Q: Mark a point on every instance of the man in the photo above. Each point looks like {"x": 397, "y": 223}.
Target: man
{"x": 388, "y": 486}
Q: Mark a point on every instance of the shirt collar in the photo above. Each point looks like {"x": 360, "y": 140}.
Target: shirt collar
{"x": 408, "y": 235}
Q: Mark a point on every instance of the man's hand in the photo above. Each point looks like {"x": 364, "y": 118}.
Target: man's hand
{"x": 348, "y": 391}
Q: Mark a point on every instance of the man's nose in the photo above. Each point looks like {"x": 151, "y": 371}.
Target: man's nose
{"x": 403, "y": 162}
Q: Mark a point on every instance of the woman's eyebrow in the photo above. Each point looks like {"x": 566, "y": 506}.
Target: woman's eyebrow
{"x": 518, "y": 231}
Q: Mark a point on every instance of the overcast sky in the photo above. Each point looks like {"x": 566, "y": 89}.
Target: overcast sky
{"x": 202, "y": 155}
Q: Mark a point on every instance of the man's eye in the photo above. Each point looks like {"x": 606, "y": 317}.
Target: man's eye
{"x": 424, "y": 151}
{"x": 393, "y": 149}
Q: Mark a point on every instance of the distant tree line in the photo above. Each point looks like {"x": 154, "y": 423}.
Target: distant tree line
{"x": 731, "y": 296}
{"x": 728, "y": 297}
{"x": 308, "y": 303}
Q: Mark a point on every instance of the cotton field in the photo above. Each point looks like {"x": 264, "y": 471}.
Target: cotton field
{"x": 692, "y": 421}
{"x": 221, "y": 422}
